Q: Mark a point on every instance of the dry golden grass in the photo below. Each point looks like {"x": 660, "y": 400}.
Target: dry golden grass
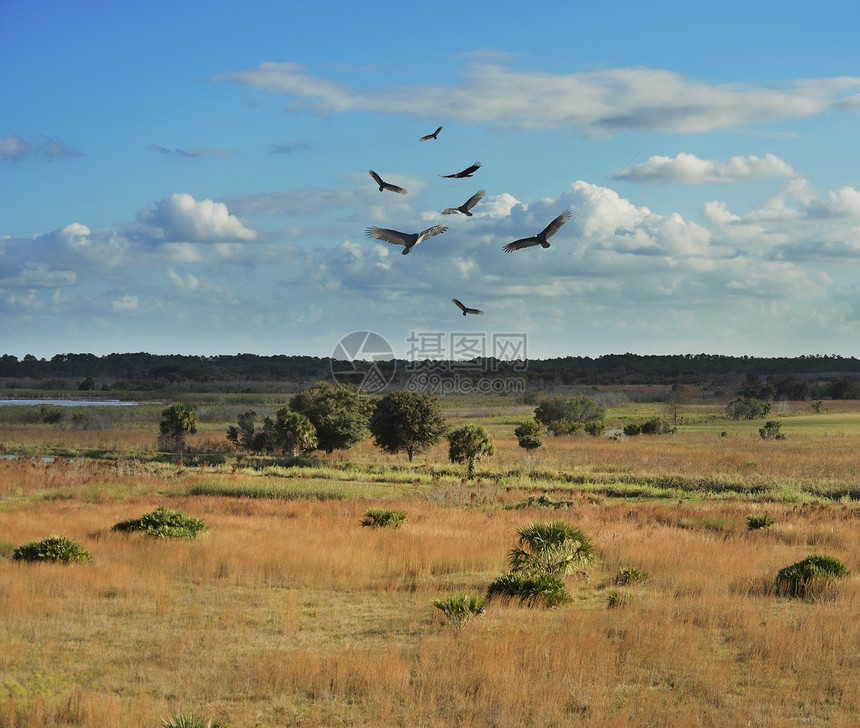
{"x": 292, "y": 613}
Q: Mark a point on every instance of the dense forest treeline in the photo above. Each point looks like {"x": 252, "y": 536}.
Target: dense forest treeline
{"x": 803, "y": 376}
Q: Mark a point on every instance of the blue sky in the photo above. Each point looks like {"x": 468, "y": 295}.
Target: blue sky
{"x": 193, "y": 177}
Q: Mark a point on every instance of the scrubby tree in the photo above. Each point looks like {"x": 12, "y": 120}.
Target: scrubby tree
{"x": 177, "y": 421}
{"x": 340, "y": 414}
{"x": 469, "y": 444}
{"x": 770, "y": 431}
{"x": 528, "y": 435}
{"x": 747, "y": 408}
{"x": 245, "y": 434}
{"x": 409, "y": 422}
{"x": 565, "y": 415}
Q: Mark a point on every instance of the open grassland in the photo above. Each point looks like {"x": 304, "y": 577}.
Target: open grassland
{"x": 287, "y": 611}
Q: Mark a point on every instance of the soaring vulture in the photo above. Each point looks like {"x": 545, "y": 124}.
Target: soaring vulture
{"x": 386, "y": 185}
{"x": 466, "y": 309}
{"x": 467, "y": 205}
{"x": 465, "y": 173}
{"x": 408, "y": 240}
{"x": 542, "y": 238}
{"x": 434, "y": 135}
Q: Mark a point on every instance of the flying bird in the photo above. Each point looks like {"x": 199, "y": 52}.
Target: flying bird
{"x": 466, "y": 309}
{"x": 408, "y": 240}
{"x": 386, "y": 185}
{"x": 467, "y": 205}
{"x": 542, "y": 237}
{"x": 434, "y": 135}
{"x": 465, "y": 173}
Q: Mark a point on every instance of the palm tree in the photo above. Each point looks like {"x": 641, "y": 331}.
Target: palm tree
{"x": 551, "y": 548}
{"x": 468, "y": 445}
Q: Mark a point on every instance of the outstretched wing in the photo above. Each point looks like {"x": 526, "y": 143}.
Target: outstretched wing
{"x": 389, "y": 236}
{"x": 431, "y": 136}
{"x": 474, "y": 199}
{"x": 450, "y": 210}
{"x": 555, "y": 225}
{"x": 520, "y": 244}
{"x": 459, "y": 305}
{"x": 377, "y": 178}
{"x": 430, "y": 232}
{"x": 394, "y": 188}
{"x": 465, "y": 173}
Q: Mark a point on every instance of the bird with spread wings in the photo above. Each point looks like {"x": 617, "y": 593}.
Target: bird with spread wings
{"x": 542, "y": 238}
{"x": 466, "y": 309}
{"x": 465, "y": 173}
{"x": 467, "y": 206}
{"x": 434, "y": 135}
{"x": 407, "y": 240}
{"x": 385, "y": 185}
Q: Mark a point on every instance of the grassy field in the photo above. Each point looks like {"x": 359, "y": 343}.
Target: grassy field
{"x": 287, "y": 611}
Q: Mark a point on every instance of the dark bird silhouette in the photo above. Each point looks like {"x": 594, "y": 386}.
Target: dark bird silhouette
{"x": 467, "y": 205}
{"x": 465, "y": 173}
{"x": 542, "y": 237}
{"x": 434, "y": 135}
{"x": 466, "y": 309}
{"x": 386, "y": 185}
{"x": 408, "y": 240}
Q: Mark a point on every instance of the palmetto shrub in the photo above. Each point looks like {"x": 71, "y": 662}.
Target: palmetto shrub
{"x": 808, "y": 577}
{"x": 383, "y": 518}
{"x": 163, "y": 523}
{"x": 189, "y": 720}
{"x": 460, "y": 609}
{"x": 52, "y": 548}
{"x": 551, "y": 548}
{"x": 629, "y": 575}
{"x": 759, "y": 521}
{"x": 531, "y": 590}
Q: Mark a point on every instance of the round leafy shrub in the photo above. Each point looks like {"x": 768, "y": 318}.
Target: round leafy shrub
{"x": 163, "y": 523}
{"x": 52, "y": 548}
{"x": 383, "y": 518}
{"x": 805, "y": 577}
{"x": 531, "y": 589}
{"x": 755, "y": 522}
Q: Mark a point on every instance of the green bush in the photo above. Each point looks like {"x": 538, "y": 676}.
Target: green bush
{"x": 383, "y": 518}
{"x": 770, "y": 431}
{"x": 629, "y": 575}
{"x": 759, "y": 521}
{"x": 531, "y": 589}
{"x": 163, "y": 523}
{"x": 553, "y": 548}
{"x": 461, "y": 608}
{"x": 52, "y": 548}
{"x": 617, "y": 598}
{"x": 806, "y": 577}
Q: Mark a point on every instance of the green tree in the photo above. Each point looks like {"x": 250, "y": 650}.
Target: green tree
{"x": 528, "y": 435}
{"x": 564, "y": 414}
{"x": 292, "y": 432}
{"x": 246, "y": 435}
{"x": 177, "y": 421}
{"x": 551, "y": 548}
{"x": 747, "y": 408}
{"x": 468, "y": 445}
{"x": 340, "y": 414}
{"x": 409, "y": 422}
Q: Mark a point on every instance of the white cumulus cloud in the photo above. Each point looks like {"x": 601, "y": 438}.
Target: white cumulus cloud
{"x": 689, "y": 169}
{"x": 181, "y": 218}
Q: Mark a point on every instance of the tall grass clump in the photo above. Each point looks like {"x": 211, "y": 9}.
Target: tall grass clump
{"x": 807, "y": 577}
{"x": 52, "y": 548}
{"x": 531, "y": 590}
{"x": 460, "y": 609}
{"x": 163, "y": 523}
{"x": 383, "y": 518}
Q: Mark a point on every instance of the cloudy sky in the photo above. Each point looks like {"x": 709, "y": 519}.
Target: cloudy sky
{"x": 188, "y": 178}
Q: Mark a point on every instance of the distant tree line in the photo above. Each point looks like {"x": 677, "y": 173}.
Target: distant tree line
{"x": 803, "y": 377}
